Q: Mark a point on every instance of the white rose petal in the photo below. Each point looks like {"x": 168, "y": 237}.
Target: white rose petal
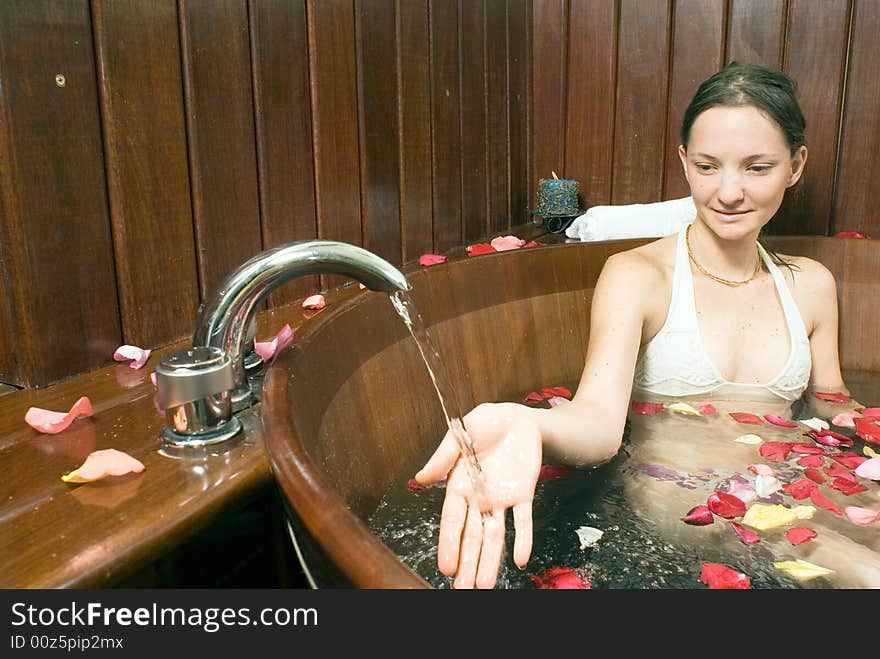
{"x": 588, "y": 536}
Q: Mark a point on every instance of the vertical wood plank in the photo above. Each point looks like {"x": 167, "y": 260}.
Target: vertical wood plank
{"x": 642, "y": 81}
{"x": 693, "y": 60}
{"x": 285, "y": 159}
{"x": 815, "y": 56}
{"x": 519, "y": 104}
{"x": 414, "y": 117}
{"x": 591, "y": 104}
{"x": 859, "y": 165}
{"x": 474, "y": 120}
{"x": 445, "y": 128}
{"x": 57, "y": 248}
{"x": 755, "y": 31}
{"x": 147, "y": 173}
{"x": 497, "y": 126}
{"x": 549, "y": 79}
{"x": 377, "y": 96}
{"x": 335, "y": 122}
{"x": 220, "y": 126}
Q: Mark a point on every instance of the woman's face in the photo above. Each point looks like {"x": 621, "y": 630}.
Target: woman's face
{"x": 738, "y": 164}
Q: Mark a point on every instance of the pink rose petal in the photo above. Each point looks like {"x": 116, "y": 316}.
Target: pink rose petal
{"x": 532, "y": 243}
{"x": 873, "y": 412}
{"x": 138, "y": 356}
{"x": 869, "y": 469}
{"x": 850, "y": 234}
{"x": 762, "y": 470}
{"x": 708, "y": 408}
{"x": 49, "y": 422}
{"x": 533, "y": 397}
{"x": 779, "y": 421}
{"x": 699, "y": 516}
{"x": 428, "y": 260}
{"x": 556, "y": 400}
{"x": 844, "y": 420}
{"x": 646, "y": 409}
{"x": 811, "y": 461}
{"x": 100, "y": 464}
{"x": 800, "y": 534}
{"x": 552, "y": 472}
{"x": 504, "y": 243}
{"x": 314, "y": 302}
{"x": 747, "y": 537}
{"x": 268, "y": 349}
{"x": 862, "y": 516}
{"x": 153, "y": 379}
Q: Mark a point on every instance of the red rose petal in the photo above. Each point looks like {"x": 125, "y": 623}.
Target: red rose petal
{"x": 414, "y": 486}
{"x": 726, "y": 505}
{"x": 428, "y": 260}
{"x": 745, "y": 417}
{"x": 817, "y": 498}
{"x": 867, "y": 429}
{"x": 565, "y": 392}
{"x": 708, "y": 408}
{"x": 807, "y": 448}
{"x": 799, "y": 535}
{"x": 814, "y": 475}
{"x": 846, "y": 486}
{"x": 830, "y": 438}
{"x": 873, "y": 412}
{"x": 551, "y": 472}
{"x": 779, "y": 421}
{"x": 836, "y": 397}
{"x": 775, "y": 451}
{"x": 847, "y": 459}
{"x": 800, "y": 489}
{"x": 532, "y": 243}
{"x": 49, "y": 422}
{"x": 480, "y": 248}
{"x": 718, "y": 576}
{"x": 699, "y": 516}
{"x": 647, "y": 409}
{"x": 747, "y": 537}
{"x": 812, "y": 461}
{"x": 533, "y": 397}
{"x": 850, "y": 234}
{"x": 836, "y": 471}
{"x": 562, "y": 578}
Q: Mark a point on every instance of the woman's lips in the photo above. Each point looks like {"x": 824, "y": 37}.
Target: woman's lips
{"x": 729, "y": 214}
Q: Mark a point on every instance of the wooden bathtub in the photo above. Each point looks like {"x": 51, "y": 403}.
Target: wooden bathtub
{"x": 349, "y": 406}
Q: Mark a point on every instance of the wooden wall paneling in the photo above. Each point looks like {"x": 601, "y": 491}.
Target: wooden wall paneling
{"x": 57, "y": 251}
{"x": 815, "y": 56}
{"x": 220, "y": 124}
{"x": 519, "y": 106}
{"x": 414, "y": 118}
{"x": 379, "y": 131}
{"x": 755, "y": 31}
{"x": 445, "y": 126}
{"x": 697, "y": 53}
{"x": 549, "y": 80}
{"x": 592, "y": 63}
{"x": 283, "y": 119}
{"x": 642, "y": 85}
{"x": 854, "y": 206}
{"x": 474, "y": 119}
{"x": 138, "y": 57}
{"x": 497, "y": 119}
{"x": 333, "y": 63}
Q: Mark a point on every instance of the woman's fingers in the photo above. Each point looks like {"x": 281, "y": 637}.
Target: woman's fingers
{"x": 471, "y": 543}
{"x": 522, "y": 523}
{"x": 452, "y": 520}
{"x": 492, "y": 549}
{"x": 439, "y": 464}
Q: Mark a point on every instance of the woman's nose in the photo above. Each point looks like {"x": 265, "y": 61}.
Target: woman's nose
{"x": 730, "y": 189}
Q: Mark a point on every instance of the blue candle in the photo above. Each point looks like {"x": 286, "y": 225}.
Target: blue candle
{"x": 557, "y": 197}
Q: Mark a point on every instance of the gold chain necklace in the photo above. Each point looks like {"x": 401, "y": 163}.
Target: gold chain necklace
{"x": 721, "y": 280}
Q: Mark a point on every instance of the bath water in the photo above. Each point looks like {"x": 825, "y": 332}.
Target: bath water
{"x": 667, "y": 465}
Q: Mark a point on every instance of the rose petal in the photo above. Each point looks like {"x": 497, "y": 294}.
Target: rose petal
{"x": 803, "y": 512}
{"x": 414, "y": 486}
{"x": 850, "y": 234}
{"x": 504, "y": 243}
{"x": 726, "y": 505}
{"x": 269, "y": 349}
{"x": 745, "y": 417}
{"x": 830, "y": 438}
{"x": 815, "y": 423}
{"x": 314, "y": 302}
{"x": 812, "y": 461}
{"x": 100, "y": 464}
{"x": 562, "y": 578}
{"x": 869, "y": 469}
{"x": 556, "y": 400}
{"x": 747, "y": 537}
{"x": 867, "y": 429}
{"x": 564, "y": 392}
{"x": 775, "y": 451}
{"x": 749, "y": 439}
{"x": 718, "y": 576}
{"x": 532, "y": 243}
{"x": 799, "y": 489}
{"x": 861, "y": 516}
{"x": 647, "y": 409}
{"x": 479, "y": 248}
{"x": 763, "y": 516}
{"x": 588, "y": 536}
{"x": 847, "y": 459}
{"x": 742, "y": 491}
{"x": 699, "y": 516}
{"x": 762, "y": 470}
{"x": 835, "y": 397}
{"x": 49, "y": 422}
{"x": 802, "y": 570}
{"x": 683, "y": 408}
{"x": 836, "y": 471}
{"x": 779, "y": 421}
{"x": 708, "y": 408}
{"x": 871, "y": 453}
{"x": 807, "y": 449}
{"x": 138, "y": 356}
{"x": 153, "y": 379}
{"x": 844, "y": 420}
{"x": 766, "y": 485}
{"x": 551, "y": 472}
{"x": 814, "y": 475}
{"x": 817, "y": 498}
{"x": 873, "y": 412}
{"x": 846, "y": 486}
{"x": 428, "y": 260}
{"x": 533, "y": 397}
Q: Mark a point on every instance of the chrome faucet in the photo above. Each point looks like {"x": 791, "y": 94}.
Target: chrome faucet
{"x": 200, "y": 388}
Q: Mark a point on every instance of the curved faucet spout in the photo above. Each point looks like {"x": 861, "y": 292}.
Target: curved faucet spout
{"x": 224, "y": 317}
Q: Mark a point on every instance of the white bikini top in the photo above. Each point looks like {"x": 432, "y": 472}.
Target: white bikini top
{"x": 674, "y": 362}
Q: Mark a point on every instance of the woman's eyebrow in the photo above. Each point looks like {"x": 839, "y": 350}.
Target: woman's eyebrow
{"x": 751, "y": 158}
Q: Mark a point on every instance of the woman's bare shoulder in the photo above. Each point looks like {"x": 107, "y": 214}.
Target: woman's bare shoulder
{"x": 809, "y": 275}
{"x": 649, "y": 264}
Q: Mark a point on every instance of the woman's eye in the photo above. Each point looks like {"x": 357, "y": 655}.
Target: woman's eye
{"x": 759, "y": 169}
{"x": 703, "y": 167}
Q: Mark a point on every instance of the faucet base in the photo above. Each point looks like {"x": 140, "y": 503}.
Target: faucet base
{"x": 174, "y": 440}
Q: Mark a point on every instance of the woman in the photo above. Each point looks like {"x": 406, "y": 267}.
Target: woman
{"x": 705, "y": 313}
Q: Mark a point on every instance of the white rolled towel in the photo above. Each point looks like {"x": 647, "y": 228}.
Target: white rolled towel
{"x": 662, "y": 218}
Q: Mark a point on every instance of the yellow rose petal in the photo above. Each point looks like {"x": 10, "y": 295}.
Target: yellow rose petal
{"x": 684, "y": 408}
{"x": 804, "y": 512}
{"x": 871, "y": 453}
{"x": 762, "y": 516}
{"x": 802, "y": 570}
{"x": 749, "y": 439}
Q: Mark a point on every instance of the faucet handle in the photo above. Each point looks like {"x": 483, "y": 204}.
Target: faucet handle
{"x": 194, "y": 390}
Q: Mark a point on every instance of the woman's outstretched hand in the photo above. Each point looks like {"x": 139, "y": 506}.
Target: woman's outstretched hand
{"x": 507, "y": 443}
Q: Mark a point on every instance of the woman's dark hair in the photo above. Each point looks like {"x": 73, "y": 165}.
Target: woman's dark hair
{"x": 757, "y": 85}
